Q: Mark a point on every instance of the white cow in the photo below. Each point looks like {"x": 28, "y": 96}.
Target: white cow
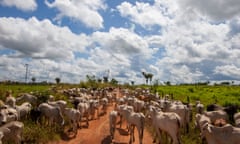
{"x": 112, "y": 122}
{"x": 74, "y": 116}
{"x": 120, "y": 109}
{"x": 138, "y": 105}
{"x": 12, "y": 132}
{"x": 183, "y": 111}
{"x": 237, "y": 119}
{"x": 59, "y": 103}
{"x": 199, "y": 107}
{"x": 201, "y": 120}
{"x": 94, "y": 106}
{"x": 104, "y": 103}
{"x": 10, "y": 101}
{"x": 8, "y": 114}
{"x": 134, "y": 120}
{"x": 84, "y": 109}
{"x": 221, "y": 135}
{"x": 26, "y": 97}
{"x": 52, "y": 113}
{"x": 24, "y": 110}
{"x": 168, "y": 122}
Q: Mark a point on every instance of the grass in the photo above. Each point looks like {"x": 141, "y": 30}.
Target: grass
{"x": 223, "y": 95}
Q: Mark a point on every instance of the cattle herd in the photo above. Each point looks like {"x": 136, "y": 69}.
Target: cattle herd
{"x": 167, "y": 117}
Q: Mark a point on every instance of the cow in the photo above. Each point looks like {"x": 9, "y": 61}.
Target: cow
{"x": 24, "y": 110}
{"x": 104, "y": 103}
{"x": 52, "y": 114}
{"x": 59, "y": 103}
{"x": 199, "y": 107}
{"x": 74, "y": 116}
{"x": 26, "y": 97}
{"x": 112, "y": 123}
{"x": 138, "y": 105}
{"x": 182, "y": 110}
{"x": 94, "y": 106}
{"x": 134, "y": 120}
{"x": 84, "y": 108}
{"x": 237, "y": 119}
{"x": 200, "y": 120}
{"x": 8, "y": 114}
{"x": 120, "y": 109}
{"x": 168, "y": 122}
{"x": 10, "y": 100}
{"x": 221, "y": 135}
{"x": 12, "y": 132}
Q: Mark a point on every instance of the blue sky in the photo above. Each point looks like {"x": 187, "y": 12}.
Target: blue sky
{"x": 181, "y": 41}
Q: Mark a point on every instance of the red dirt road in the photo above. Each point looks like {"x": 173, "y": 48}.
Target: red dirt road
{"x": 98, "y": 133}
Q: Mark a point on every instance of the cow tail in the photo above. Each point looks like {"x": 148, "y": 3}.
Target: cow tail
{"x": 179, "y": 122}
{"x": 179, "y": 126}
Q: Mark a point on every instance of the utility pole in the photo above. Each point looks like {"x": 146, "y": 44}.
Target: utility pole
{"x": 26, "y": 65}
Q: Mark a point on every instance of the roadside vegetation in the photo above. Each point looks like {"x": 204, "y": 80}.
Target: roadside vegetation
{"x": 219, "y": 94}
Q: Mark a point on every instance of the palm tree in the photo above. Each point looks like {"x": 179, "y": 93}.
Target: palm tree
{"x": 145, "y": 76}
{"x": 150, "y": 76}
{"x": 57, "y": 79}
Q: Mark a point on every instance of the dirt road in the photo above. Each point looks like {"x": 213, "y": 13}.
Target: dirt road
{"x": 98, "y": 133}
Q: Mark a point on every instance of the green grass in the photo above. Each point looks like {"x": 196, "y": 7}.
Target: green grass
{"x": 206, "y": 94}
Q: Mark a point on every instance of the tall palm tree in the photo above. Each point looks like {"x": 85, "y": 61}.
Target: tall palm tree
{"x": 150, "y": 76}
{"x": 145, "y": 76}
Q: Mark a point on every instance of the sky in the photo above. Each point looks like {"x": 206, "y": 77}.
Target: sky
{"x": 181, "y": 41}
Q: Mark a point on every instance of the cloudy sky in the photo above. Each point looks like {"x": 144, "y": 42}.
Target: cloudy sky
{"x": 181, "y": 41}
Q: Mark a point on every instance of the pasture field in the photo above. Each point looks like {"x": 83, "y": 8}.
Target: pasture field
{"x": 223, "y": 95}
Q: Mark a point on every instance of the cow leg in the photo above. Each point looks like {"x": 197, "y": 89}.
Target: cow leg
{"x": 121, "y": 121}
{"x": 87, "y": 120}
{"x": 133, "y": 128}
{"x": 159, "y": 135}
{"x": 131, "y": 135}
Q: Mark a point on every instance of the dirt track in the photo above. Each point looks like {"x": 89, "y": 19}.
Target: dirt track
{"x": 98, "y": 133}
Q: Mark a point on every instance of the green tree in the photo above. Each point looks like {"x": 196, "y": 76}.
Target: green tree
{"x": 57, "y": 79}
{"x": 33, "y": 79}
{"x": 168, "y": 83}
{"x": 99, "y": 80}
{"x": 91, "y": 79}
{"x": 105, "y": 79}
{"x": 114, "y": 81}
{"x": 132, "y": 82}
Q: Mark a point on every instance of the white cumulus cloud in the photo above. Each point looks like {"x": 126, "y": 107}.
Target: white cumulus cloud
{"x": 85, "y": 11}
{"x": 24, "y": 5}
